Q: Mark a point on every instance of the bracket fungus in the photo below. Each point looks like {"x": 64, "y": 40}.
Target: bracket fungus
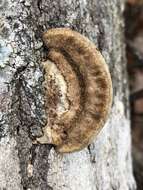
{"x": 78, "y": 90}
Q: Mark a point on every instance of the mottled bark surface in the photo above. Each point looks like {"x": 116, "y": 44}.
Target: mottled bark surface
{"x": 105, "y": 164}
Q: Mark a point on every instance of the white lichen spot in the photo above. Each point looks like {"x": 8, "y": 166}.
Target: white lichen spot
{"x": 83, "y": 4}
{"x": 2, "y": 4}
{"x": 120, "y": 107}
{"x": 37, "y": 75}
{"x": 38, "y": 45}
{"x": 30, "y": 170}
{"x": 27, "y": 3}
{"x": 5, "y": 51}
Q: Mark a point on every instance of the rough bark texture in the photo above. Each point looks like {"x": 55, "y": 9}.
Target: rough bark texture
{"x": 105, "y": 164}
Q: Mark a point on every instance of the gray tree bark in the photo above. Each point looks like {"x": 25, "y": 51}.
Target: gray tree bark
{"x": 106, "y": 164}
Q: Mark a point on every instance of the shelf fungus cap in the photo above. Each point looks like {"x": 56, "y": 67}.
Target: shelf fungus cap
{"x": 78, "y": 90}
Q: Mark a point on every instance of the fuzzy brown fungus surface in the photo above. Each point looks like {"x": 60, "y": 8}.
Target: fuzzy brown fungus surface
{"x": 78, "y": 90}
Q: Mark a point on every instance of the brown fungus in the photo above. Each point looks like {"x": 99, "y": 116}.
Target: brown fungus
{"x": 78, "y": 90}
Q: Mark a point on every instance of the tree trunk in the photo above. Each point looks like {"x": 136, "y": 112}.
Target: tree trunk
{"x": 106, "y": 163}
